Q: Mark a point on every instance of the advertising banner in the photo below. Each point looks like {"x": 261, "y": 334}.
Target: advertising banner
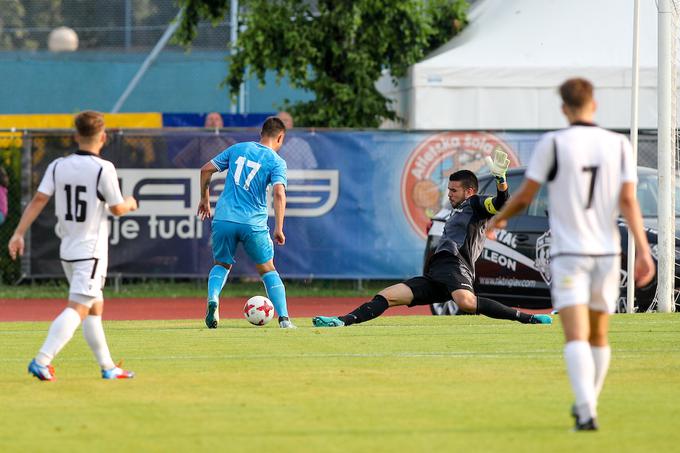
{"x": 358, "y": 206}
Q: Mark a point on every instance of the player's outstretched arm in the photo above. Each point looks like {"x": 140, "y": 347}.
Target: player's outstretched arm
{"x": 130, "y": 204}
{"x": 517, "y": 203}
{"x": 630, "y": 210}
{"x": 32, "y": 211}
{"x": 279, "y": 212}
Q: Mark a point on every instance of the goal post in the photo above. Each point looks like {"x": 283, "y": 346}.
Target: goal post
{"x": 634, "y": 122}
{"x": 667, "y": 130}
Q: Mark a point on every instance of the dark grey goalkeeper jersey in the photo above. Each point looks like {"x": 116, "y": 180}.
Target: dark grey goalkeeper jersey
{"x": 464, "y": 230}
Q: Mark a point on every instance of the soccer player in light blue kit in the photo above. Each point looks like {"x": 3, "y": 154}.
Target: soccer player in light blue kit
{"x": 241, "y": 214}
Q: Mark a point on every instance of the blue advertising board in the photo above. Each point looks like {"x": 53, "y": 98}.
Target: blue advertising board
{"x": 359, "y": 202}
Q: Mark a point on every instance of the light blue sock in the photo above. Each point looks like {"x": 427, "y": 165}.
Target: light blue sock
{"x": 276, "y": 292}
{"x": 216, "y": 280}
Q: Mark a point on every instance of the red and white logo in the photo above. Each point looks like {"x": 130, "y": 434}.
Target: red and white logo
{"x": 425, "y": 177}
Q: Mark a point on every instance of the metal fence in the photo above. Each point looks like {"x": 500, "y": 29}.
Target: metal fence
{"x": 23, "y": 156}
{"x": 112, "y": 25}
{"x": 10, "y": 160}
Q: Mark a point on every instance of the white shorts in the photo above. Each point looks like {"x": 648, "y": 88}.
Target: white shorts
{"x": 589, "y": 280}
{"x": 86, "y": 279}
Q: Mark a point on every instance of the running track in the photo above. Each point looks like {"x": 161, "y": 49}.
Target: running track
{"x": 186, "y": 308}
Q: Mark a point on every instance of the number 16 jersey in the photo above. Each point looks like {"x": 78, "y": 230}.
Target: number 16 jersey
{"x": 252, "y": 168}
{"x": 584, "y": 167}
{"x": 83, "y": 184}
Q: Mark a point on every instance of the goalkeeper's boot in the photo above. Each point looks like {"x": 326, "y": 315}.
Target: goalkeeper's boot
{"x": 327, "y": 321}
{"x": 117, "y": 373}
{"x": 540, "y": 319}
{"x": 212, "y": 315}
{"x": 44, "y": 373}
{"x": 286, "y": 323}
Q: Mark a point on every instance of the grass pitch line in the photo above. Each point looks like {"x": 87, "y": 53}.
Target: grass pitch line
{"x": 543, "y": 353}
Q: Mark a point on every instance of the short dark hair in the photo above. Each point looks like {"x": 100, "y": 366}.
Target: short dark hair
{"x": 467, "y": 178}
{"x": 576, "y": 92}
{"x": 272, "y": 127}
{"x": 89, "y": 123}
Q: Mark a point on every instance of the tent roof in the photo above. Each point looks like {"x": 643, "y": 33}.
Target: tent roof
{"x": 541, "y": 42}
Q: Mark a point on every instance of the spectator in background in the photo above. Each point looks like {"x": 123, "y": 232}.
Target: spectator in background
{"x": 296, "y": 151}
{"x": 202, "y": 149}
{"x": 299, "y": 156}
{"x": 4, "y": 184}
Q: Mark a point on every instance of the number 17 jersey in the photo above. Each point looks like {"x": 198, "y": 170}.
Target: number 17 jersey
{"x": 584, "y": 167}
{"x": 252, "y": 168}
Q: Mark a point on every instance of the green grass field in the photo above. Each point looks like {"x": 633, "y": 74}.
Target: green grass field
{"x": 396, "y": 384}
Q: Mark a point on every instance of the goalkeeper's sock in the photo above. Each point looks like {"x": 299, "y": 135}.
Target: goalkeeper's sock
{"x": 493, "y": 309}
{"x": 366, "y": 312}
{"x": 276, "y": 292}
{"x": 216, "y": 280}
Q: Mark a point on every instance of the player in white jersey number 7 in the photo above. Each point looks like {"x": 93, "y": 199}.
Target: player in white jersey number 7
{"x": 84, "y": 186}
{"x": 591, "y": 176}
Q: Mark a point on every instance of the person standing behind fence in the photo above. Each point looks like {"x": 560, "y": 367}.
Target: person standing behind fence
{"x": 203, "y": 148}
{"x": 241, "y": 214}
{"x": 296, "y": 151}
{"x": 591, "y": 176}
{"x": 83, "y": 185}
{"x": 4, "y": 194}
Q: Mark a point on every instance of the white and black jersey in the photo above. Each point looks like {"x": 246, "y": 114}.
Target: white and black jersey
{"x": 584, "y": 167}
{"x": 83, "y": 184}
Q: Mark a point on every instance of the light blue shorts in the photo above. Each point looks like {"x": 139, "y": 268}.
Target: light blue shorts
{"x": 255, "y": 239}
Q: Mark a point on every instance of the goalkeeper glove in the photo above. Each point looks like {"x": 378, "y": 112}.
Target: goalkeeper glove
{"x": 498, "y": 165}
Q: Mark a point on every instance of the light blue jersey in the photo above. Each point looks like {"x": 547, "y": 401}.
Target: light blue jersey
{"x": 252, "y": 167}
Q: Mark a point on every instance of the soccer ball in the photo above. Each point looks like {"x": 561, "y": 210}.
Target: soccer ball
{"x": 258, "y": 310}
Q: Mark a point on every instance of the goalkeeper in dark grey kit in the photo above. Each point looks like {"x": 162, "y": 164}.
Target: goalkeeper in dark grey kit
{"x": 451, "y": 269}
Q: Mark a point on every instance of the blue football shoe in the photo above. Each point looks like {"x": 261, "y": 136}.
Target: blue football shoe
{"x": 540, "y": 319}
{"x": 44, "y": 373}
{"x": 117, "y": 373}
{"x": 327, "y": 321}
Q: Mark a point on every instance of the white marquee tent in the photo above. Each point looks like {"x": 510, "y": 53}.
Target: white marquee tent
{"x": 502, "y": 71}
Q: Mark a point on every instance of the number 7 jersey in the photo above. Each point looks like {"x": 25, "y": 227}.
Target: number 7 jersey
{"x": 584, "y": 167}
{"x": 83, "y": 184}
{"x": 252, "y": 168}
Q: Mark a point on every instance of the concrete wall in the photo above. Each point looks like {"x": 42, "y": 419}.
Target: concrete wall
{"x": 44, "y": 82}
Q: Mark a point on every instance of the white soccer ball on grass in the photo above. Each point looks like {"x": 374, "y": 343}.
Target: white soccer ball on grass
{"x": 258, "y": 310}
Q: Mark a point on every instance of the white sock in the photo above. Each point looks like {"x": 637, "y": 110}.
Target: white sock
{"x": 61, "y": 331}
{"x": 601, "y": 356}
{"x": 93, "y": 331}
{"x": 581, "y": 370}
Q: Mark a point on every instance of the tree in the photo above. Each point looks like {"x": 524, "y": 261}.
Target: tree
{"x": 336, "y": 49}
